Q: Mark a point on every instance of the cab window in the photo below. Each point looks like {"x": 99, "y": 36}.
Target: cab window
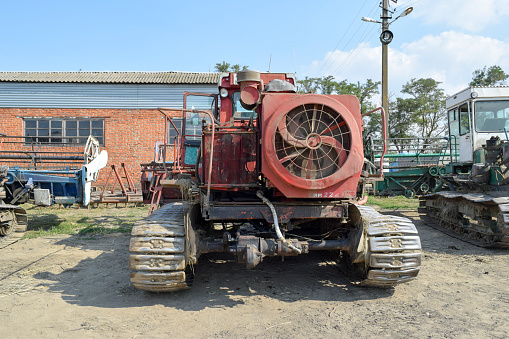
{"x": 454, "y": 126}
{"x": 240, "y": 112}
{"x": 194, "y": 125}
{"x": 464, "y": 122}
{"x": 492, "y": 116}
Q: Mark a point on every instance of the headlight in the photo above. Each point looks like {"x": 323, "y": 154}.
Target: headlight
{"x": 223, "y": 92}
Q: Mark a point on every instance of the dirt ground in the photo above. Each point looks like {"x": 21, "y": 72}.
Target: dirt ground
{"x": 78, "y": 286}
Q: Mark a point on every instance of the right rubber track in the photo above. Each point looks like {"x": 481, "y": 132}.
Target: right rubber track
{"x": 391, "y": 247}
{"x": 158, "y": 250}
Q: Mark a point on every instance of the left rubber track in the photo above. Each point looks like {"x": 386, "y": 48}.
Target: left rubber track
{"x": 13, "y": 224}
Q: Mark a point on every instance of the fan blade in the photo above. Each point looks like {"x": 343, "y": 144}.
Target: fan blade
{"x": 309, "y": 165}
{"x": 326, "y": 164}
{"x": 332, "y": 128}
{"x": 332, "y": 142}
{"x": 288, "y": 137}
{"x": 292, "y": 156}
{"x": 313, "y": 119}
{"x": 337, "y": 146}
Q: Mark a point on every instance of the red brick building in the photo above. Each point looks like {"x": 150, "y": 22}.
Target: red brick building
{"x": 118, "y": 108}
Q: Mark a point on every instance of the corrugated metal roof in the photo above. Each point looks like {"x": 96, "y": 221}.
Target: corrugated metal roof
{"x": 112, "y": 77}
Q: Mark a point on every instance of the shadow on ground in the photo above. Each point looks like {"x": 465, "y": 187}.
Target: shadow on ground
{"x": 433, "y": 240}
{"x": 220, "y": 281}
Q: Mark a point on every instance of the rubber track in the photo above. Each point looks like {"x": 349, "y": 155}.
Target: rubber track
{"x": 392, "y": 253}
{"x": 467, "y": 234}
{"x": 20, "y": 225}
{"x": 158, "y": 250}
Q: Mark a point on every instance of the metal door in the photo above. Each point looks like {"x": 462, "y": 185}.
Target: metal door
{"x": 466, "y": 140}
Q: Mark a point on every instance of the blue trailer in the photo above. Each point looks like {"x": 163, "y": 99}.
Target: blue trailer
{"x": 45, "y": 188}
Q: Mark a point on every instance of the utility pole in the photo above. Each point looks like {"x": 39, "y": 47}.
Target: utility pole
{"x": 385, "y": 39}
{"x": 385, "y": 62}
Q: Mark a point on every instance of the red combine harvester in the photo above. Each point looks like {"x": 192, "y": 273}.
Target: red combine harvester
{"x": 268, "y": 173}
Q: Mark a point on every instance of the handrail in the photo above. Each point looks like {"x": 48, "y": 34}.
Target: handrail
{"x": 213, "y": 126}
{"x": 384, "y": 134}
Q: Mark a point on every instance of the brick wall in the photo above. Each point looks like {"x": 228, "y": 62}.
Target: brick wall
{"x": 130, "y": 134}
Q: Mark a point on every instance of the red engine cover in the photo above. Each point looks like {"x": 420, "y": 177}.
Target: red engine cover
{"x": 312, "y": 144}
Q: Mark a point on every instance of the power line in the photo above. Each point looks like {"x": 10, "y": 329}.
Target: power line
{"x": 355, "y": 52}
{"x": 407, "y": 4}
{"x": 351, "y": 23}
{"x": 358, "y": 41}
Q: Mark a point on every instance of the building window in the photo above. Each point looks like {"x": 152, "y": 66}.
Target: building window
{"x": 72, "y": 131}
{"x": 172, "y": 132}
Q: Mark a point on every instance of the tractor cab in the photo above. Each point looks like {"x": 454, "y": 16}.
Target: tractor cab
{"x": 194, "y": 122}
{"x": 475, "y": 115}
{"x": 227, "y": 110}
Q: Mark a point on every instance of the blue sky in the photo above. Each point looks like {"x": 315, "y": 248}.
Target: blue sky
{"x": 445, "y": 40}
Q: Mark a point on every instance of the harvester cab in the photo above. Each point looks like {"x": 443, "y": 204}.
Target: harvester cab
{"x": 264, "y": 171}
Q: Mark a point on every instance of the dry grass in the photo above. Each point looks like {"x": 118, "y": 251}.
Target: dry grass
{"x": 43, "y": 221}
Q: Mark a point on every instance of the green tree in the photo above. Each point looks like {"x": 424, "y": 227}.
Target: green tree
{"x": 308, "y": 85}
{"x": 492, "y": 76}
{"x": 402, "y": 118}
{"x": 235, "y": 68}
{"x": 327, "y": 85}
{"x": 222, "y": 67}
{"x": 226, "y": 67}
{"x": 426, "y": 105}
{"x": 364, "y": 92}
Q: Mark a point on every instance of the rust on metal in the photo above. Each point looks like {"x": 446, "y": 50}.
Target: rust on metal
{"x": 128, "y": 192}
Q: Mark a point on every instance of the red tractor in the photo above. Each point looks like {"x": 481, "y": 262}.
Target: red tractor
{"x": 268, "y": 173}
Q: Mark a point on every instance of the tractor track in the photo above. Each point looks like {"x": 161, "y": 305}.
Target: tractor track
{"x": 391, "y": 248}
{"x": 479, "y": 219}
{"x": 158, "y": 251}
{"x": 13, "y": 224}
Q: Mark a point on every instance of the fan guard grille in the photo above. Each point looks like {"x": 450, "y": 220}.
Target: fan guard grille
{"x": 312, "y": 141}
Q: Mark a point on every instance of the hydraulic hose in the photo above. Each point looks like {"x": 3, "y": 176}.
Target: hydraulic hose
{"x": 280, "y": 236}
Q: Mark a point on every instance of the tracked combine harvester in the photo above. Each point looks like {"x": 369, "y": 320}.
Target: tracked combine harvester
{"x": 270, "y": 173}
{"x": 476, "y": 206}
{"x": 45, "y": 188}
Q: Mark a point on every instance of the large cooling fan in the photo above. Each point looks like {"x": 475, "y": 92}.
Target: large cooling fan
{"x": 312, "y": 144}
{"x": 312, "y": 141}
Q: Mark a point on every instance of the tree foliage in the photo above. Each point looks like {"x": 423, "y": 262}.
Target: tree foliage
{"x": 422, "y": 113}
{"x": 327, "y": 85}
{"x": 402, "y": 118}
{"x": 308, "y": 85}
{"x": 426, "y": 105}
{"x": 226, "y": 67}
{"x": 363, "y": 91}
{"x": 491, "y": 76}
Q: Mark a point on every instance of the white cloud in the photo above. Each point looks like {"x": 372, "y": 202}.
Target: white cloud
{"x": 469, "y": 15}
{"x": 449, "y": 57}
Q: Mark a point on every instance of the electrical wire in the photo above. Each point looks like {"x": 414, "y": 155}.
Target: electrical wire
{"x": 354, "y": 52}
{"x": 351, "y": 23}
{"x": 407, "y": 4}
{"x": 373, "y": 9}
